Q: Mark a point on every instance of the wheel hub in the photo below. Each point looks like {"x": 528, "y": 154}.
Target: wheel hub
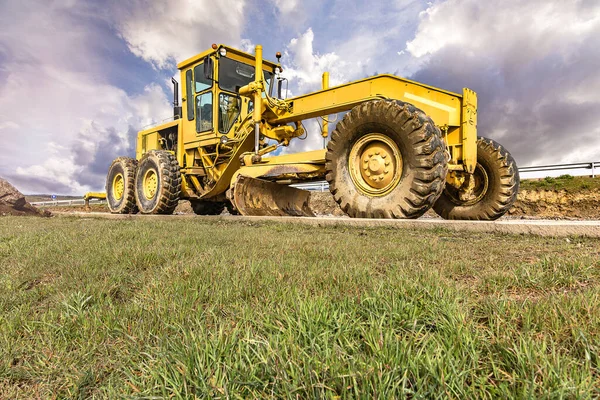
{"x": 118, "y": 186}
{"x": 375, "y": 164}
{"x": 472, "y": 189}
{"x": 150, "y": 184}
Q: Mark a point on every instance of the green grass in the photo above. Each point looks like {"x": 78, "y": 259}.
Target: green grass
{"x": 196, "y": 308}
{"x": 568, "y": 183}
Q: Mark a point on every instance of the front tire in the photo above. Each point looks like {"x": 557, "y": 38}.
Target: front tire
{"x": 495, "y": 189}
{"x": 157, "y": 183}
{"x": 386, "y": 159}
{"x": 120, "y": 186}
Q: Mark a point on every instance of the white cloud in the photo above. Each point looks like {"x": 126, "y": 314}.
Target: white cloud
{"x": 293, "y": 14}
{"x": 304, "y": 67}
{"x": 164, "y": 32}
{"x": 533, "y": 28}
{"x": 286, "y": 6}
{"x": 63, "y": 116}
{"x": 533, "y": 63}
{"x": 86, "y": 112}
{"x": 247, "y": 46}
{"x": 56, "y": 103}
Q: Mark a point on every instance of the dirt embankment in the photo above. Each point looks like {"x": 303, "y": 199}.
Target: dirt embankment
{"x": 12, "y": 202}
{"x": 579, "y": 200}
{"x": 558, "y": 204}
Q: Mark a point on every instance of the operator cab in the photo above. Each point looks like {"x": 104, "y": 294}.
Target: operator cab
{"x": 212, "y": 105}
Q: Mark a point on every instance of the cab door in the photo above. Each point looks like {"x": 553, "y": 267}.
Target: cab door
{"x": 200, "y": 108}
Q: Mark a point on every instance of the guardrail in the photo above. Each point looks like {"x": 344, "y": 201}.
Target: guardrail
{"x": 59, "y": 203}
{"x": 577, "y": 169}
{"x": 593, "y": 166}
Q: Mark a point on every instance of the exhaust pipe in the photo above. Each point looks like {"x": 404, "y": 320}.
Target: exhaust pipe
{"x": 176, "y": 107}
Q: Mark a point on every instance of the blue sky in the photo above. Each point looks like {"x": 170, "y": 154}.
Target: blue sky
{"x": 79, "y": 78}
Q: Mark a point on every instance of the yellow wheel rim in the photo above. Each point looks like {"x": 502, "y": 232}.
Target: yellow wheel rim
{"x": 150, "y": 184}
{"x": 375, "y": 164}
{"x": 118, "y": 186}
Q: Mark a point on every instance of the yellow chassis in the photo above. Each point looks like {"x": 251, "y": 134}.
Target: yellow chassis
{"x": 454, "y": 114}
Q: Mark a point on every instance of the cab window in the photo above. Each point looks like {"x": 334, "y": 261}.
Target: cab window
{"x": 189, "y": 95}
{"x": 204, "y": 111}
{"x": 201, "y": 83}
{"x": 229, "y": 110}
{"x": 234, "y": 74}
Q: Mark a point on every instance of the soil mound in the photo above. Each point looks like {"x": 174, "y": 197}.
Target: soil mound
{"x": 12, "y": 202}
{"x": 323, "y": 204}
{"x": 184, "y": 207}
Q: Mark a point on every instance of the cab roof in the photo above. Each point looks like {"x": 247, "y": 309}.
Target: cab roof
{"x": 198, "y": 57}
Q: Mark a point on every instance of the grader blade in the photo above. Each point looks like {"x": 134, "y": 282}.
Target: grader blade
{"x": 259, "y": 197}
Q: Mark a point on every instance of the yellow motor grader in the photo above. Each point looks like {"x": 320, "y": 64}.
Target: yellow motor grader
{"x": 401, "y": 148}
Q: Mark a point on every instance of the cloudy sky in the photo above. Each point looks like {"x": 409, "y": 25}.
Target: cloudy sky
{"x": 78, "y": 78}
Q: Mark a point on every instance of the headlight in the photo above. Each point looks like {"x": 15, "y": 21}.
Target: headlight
{"x": 224, "y": 139}
{"x": 222, "y": 52}
{"x": 277, "y": 70}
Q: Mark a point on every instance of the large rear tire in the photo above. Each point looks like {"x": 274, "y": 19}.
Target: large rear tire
{"x": 496, "y": 185}
{"x": 157, "y": 183}
{"x": 202, "y": 207}
{"x": 386, "y": 159}
{"x": 120, "y": 187}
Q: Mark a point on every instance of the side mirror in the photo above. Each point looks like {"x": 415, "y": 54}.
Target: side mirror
{"x": 208, "y": 68}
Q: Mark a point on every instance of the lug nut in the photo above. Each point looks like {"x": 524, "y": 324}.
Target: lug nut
{"x": 384, "y": 155}
{"x": 387, "y": 163}
{"x": 386, "y": 171}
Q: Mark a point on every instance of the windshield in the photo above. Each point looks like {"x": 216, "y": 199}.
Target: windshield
{"x": 234, "y": 74}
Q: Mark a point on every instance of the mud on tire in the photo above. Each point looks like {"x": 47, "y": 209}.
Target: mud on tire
{"x": 157, "y": 183}
{"x": 502, "y": 186}
{"x": 423, "y": 160}
{"x": 120, "y": 186}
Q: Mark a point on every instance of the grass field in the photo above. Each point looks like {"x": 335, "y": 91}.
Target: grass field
{"x": 197, "y": 308}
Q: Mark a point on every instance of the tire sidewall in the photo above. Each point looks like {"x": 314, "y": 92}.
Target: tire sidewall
{"x": 484, "y": 159}
{"x": 487, "y": 207}
{"x": 148, "y": 162}
{"x": 376, "y": 123}
{"x": 114, "y": 204}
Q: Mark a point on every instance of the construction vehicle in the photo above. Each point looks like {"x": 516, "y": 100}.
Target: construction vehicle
{"x": 401, "y": 148}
